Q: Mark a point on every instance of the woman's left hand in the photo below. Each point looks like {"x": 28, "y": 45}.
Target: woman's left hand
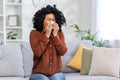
{"x": 55, "y": 29}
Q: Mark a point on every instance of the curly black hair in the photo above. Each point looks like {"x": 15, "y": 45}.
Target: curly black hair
{"x": 40, "y": 16}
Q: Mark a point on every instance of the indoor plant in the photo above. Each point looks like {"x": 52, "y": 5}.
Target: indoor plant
{"x": 88, "y": 35}
{"x": 11, "y": 35}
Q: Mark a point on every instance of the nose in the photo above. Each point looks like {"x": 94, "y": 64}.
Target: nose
{"x": 52, "y": 22}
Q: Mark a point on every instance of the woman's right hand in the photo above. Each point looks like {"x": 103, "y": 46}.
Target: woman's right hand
{"x": 48, "y": 30}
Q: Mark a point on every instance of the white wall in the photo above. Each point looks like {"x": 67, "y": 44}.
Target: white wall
{"x": 78, "y": 12}
{"x": 85, "y": 13}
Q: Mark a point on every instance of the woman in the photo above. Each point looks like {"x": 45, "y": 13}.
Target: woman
{"x": 48, "y": 44}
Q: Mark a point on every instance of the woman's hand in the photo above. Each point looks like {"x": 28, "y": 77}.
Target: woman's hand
{"x": 48, "y": 30}
{"x": 55, "y": 29}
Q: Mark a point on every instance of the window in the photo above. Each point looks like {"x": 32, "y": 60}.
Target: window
{"x": 108, "y": 19}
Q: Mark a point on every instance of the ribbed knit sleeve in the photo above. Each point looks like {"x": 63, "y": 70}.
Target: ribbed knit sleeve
{"x": 59, "y": 42}
{"x": 38, "y": 42}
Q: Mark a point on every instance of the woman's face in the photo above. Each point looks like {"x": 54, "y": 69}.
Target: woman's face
{"x": 49, "y": 18}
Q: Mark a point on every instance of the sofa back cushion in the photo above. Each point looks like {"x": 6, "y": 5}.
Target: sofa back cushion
{"x": 11, "y": 61}
{"x": 72, "y": 47}
{"x": 27, "y": 58}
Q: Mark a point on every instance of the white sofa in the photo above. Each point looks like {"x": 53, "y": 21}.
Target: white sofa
{"x": 16, "y": 62}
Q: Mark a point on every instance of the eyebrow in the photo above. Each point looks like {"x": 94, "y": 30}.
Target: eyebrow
{"x": 51, "y": 18}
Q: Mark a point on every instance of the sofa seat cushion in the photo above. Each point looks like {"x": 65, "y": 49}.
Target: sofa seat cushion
{"x": 13, "y": 78}
{"x": 77, "y": 76}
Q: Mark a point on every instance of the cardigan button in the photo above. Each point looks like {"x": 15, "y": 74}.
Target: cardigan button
{"x": 50, "y": 63}
{"x": 50, "y": 51}
{"x": 50, "y": 57}
{"x": 50, "y": 69}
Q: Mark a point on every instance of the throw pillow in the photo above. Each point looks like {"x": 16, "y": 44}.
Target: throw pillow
{"x": 11, "y": 61}
{"x": 105, "y": 61}
{"x": 75, "y": 62}
{"x": 72, "y": 47}
{"x": 86, "y": 61}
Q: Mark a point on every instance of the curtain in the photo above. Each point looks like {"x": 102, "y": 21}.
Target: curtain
{"x": 108, "y": 21}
